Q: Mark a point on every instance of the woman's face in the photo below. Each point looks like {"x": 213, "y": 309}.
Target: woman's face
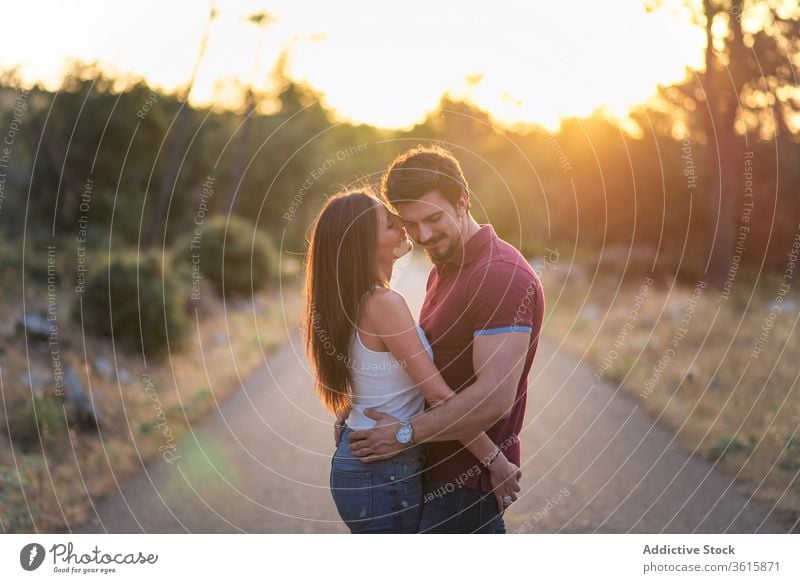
{"x": 393, "y": 241}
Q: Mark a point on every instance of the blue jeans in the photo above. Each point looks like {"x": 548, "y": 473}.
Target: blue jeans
{"x": 453, "y": 509}
{"x": 383, "y": 496}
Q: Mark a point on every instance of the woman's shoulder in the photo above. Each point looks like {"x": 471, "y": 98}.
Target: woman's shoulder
{"x": 384, "y": 302}
{"x": 382, "y": 296}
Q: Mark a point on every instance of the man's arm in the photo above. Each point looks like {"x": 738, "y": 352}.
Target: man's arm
{"x": 502, "y": 321}
{"x": 498, "y": 360}
{"x": 501, "y": 311}
{"x": 386, "y": 312}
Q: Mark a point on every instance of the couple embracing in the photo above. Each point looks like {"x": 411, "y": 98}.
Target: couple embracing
{"x": 429, "y": 413}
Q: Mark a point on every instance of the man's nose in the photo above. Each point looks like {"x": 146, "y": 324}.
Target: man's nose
{"x": 425, "y": 234}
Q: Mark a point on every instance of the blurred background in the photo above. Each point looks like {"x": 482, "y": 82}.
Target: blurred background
{"x": 160, "y": 164}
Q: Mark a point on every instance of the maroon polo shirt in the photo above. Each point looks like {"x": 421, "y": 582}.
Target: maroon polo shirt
{"x": 488, "y": 288}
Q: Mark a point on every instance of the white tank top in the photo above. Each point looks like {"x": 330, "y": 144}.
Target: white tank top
{"x": 380, "y": 382}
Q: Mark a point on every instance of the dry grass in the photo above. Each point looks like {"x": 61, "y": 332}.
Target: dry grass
{"x": 740, "y": 410}
{"x": 49, "y": 485}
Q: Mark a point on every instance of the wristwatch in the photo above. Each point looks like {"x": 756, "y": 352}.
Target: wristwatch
{"x": 405, "y": 434}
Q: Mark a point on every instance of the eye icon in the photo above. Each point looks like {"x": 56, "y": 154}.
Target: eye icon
{"x": 31, "y": 556}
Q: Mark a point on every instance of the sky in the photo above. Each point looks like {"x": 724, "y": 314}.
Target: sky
{"x": 383, "y": 63}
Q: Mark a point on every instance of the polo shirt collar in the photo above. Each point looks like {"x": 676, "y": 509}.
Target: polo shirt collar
{"x": 474, "y": 245}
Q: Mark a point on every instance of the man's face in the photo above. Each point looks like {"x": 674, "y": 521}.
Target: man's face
{"x": 434, "y": 224}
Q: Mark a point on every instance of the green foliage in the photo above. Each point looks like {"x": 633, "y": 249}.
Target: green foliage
{"x": 791, "y": 456}
{"x": 10, "y": 261}
{"x": 589, "y": 184}
{"x": 38, "y": 416}
{"x": 233, "y": 250}
{"x": 731, "y": 446}
{"x": 18, "y": 493}
{"x": 137, "y": 300}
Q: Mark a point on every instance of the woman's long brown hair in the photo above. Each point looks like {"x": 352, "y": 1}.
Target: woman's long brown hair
{"x": 341, "y": 267}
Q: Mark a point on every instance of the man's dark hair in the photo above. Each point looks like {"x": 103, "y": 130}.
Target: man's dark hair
{"x": 420, "y": 170}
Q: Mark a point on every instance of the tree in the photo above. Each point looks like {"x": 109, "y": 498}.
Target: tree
{"x": 169, "y": 175}
{"x": 747, "y": 90}
{"x": 261, "y": 20}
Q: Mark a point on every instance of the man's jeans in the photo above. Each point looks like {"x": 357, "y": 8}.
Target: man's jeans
{"x": 383, "y": 496}
{"x": 452, "y": 509}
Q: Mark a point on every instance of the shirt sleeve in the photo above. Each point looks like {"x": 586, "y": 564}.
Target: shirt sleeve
{"x": 504, "y": 299}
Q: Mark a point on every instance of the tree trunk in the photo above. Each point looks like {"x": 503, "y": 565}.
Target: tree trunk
{"x": 721, "y": 163}
{"x": 158, "y": 218}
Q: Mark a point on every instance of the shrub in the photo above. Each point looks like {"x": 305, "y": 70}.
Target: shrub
{"x": 144, "y": 318}
{"x": 791, "y": 455}
{"x": 38, "y": 416}
{"x": 731, "y": 446}
{"x": 248, "y": 257}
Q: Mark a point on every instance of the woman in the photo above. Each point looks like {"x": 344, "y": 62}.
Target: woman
{"x": 368, "y": 352}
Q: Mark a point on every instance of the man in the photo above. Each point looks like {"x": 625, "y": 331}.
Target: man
{"x": 482, "y": 315}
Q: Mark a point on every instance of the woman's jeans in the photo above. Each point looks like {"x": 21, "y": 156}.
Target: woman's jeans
{"x": 383, "y": 496}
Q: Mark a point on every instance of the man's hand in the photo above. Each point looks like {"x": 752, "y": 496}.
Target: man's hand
{"x": 379, "y": 442}
{"x": 505, "y": 477}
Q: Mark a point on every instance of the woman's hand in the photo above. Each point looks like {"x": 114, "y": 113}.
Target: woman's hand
{"x": 505, "y": 480}
{"x": 338, "y": 426}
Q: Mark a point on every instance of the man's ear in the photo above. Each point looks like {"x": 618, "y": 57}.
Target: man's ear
{"x": 463, "y": 201}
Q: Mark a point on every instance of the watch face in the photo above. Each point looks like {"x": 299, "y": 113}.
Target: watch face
{"x": 404, "y": 434}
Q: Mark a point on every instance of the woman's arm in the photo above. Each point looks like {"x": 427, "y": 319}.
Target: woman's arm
{"x": 388, "y": 315}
